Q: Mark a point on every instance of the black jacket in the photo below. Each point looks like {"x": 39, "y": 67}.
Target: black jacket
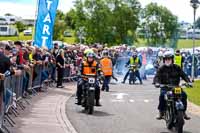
{"x": 170, "y": 75}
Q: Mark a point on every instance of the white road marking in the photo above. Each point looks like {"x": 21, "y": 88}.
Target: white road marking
{"x": 131, "y": 100}
{"x": 146, "y": 101}
{"x": 119, "y": 96}
{"x": 115, "y": 100}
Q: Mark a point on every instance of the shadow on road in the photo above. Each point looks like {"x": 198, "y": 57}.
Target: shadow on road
{"x": 97, "y": 113}
{"x": 175, "y": 132}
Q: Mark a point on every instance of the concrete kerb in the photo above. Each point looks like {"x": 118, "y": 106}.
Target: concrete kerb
{"x": 62, "y": 117}
{"x": 193, "y": 108}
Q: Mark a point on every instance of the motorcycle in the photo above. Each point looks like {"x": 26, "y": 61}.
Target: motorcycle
{"x": 132, "y": 70}
{"x": 88, "y": 95}
{"x": 174, "y": 113}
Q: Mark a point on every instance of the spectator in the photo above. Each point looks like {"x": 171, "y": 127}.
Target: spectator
{"x": 60, "y": 63}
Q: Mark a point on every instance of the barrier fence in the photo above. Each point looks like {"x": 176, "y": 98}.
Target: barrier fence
{"x": 19, "y": 88}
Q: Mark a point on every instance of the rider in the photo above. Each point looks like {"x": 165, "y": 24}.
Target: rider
{"x": 170, "y": 73}
{"x": 87, "y": 67}
{"x": 134, "y": 60}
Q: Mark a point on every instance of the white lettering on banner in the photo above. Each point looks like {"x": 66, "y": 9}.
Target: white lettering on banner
{"x": 47, "y": 18}
{"x": 46, "y": 29}
{"x": 49, "y": 2}
{"x": 44, "y": 38}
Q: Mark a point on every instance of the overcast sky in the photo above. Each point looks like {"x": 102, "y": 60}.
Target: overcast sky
{"x": 27, "y": 8}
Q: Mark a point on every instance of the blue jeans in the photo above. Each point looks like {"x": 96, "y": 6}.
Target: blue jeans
{"x": 106, "y": 83}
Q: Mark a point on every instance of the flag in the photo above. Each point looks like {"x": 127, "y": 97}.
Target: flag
{"x": 45, "y": 22}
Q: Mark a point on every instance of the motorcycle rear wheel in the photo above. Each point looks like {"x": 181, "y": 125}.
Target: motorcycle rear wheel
{"x": 169, "y": 119}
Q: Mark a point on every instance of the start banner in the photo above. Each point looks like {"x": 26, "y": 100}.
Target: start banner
{"x": 45, "y": 23}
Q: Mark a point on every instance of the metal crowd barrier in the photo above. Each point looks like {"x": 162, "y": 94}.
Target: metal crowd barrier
{"x": 16, "y": 90}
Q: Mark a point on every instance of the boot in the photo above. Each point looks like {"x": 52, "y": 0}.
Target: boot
{"x": 186, "y": 117}
{"x": 78, "y": 101}
{"x": 123, "y": 82}
{"x": 160, "y": 116}
{"x": 98, "y": 103}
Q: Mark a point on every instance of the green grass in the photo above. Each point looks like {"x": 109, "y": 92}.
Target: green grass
{"x": 69, "y": 40}
{"x": 194, "y": 93}
{"x": 182, "y": 43}
{"x": 15, "y": 38}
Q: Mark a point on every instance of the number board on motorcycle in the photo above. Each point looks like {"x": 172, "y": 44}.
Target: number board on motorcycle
{"x": 178, "y": 90}
{"x": 91, "y": 80}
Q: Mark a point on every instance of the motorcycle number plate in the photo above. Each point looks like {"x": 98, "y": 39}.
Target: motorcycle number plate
{"x": 92, "y": 88}
{"x": 178, "y": 90}
{"x": 91, "y": 80}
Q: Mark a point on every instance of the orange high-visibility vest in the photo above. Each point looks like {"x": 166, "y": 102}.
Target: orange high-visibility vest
{"x": 88, "y": 70}
{"x": 106, "y": 66}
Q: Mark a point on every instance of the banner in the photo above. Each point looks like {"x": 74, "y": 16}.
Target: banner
{"x": 45, "y": 22}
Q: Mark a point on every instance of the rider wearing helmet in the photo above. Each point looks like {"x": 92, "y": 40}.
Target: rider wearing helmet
{"x": 170, "y": 74}
{"x": 88, "y": 67}
{"x": 134, "y": 60}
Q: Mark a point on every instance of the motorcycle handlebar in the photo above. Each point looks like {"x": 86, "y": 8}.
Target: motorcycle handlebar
{"x": 172, "y": 86}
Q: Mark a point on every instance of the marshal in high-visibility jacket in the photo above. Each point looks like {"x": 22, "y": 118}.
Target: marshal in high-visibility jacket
{"x": 106, "y": 66}
{"x": 88, "y": 69}
{"x": 178, "y": 60}
{"x": 134, "y": 61}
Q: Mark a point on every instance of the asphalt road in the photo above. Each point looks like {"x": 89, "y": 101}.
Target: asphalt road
{"x": 126, "y": 109}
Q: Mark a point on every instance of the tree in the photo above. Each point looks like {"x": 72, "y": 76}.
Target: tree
{"x": 107, "y": 21}
{"x": 197, "y": 23}
{"x": 162, "y": 24}
{"x": 59, "y": 26}
{"x": 70, "y": 19}
{"x": 20, "y": 26}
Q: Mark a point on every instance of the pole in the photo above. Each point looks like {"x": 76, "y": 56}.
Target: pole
{"x": 193, "y": 45}
{"x": 36, "y": 13}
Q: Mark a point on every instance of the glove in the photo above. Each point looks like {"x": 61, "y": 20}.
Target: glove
{"x": 190, "y": 84}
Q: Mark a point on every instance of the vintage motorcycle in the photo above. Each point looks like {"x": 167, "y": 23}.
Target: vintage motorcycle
{"x": 174, "y": 113}
{"x": 88, "y": 95}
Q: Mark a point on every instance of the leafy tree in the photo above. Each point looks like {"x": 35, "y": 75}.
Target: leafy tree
{"x": 59, "y": 26}
{"x": 20, "y": 26}
{"x": 197, "y": 23}
{"x": 160, "y": 23}
{"x": 70, "y": 19}
{"x": 107, "y": 21}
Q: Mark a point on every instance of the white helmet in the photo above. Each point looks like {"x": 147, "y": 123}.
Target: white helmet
{"x": 168, "y": 54}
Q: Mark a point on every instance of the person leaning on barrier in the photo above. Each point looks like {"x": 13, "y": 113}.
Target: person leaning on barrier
{"x": 88, "y": 67}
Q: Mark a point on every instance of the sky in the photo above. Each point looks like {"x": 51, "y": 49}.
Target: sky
{"x": 27, "y": 8}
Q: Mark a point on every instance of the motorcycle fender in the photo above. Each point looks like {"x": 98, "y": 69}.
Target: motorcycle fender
{"x": 179, "y": 105}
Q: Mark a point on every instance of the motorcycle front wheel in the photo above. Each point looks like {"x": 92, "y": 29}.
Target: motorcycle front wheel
{"x": 90, "y": 102}
{"x": 180, "y": 121}
{"x": 169, "y": 118}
